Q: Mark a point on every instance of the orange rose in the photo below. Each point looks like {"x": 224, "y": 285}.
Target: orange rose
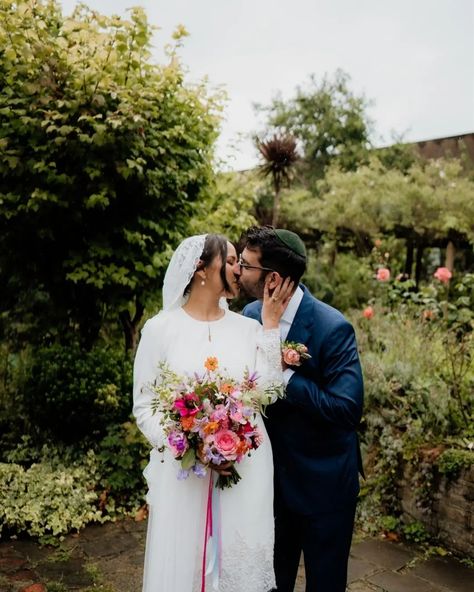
{"x": 211, "y": 364}
{"x": 187, "y": 422}
{"x": 211, "y": 427}
{"x": 242, "y": 447}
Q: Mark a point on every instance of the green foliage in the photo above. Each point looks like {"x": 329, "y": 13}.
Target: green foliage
{"x": 71, "y": 394}
{"x": 226, "y": 209}
{"x": 415, "y": 532}
{"x": 102, "y": 155}
{"x": 419, "y": 399}
{"x": 47, "y": 491}
{"x": 122, "y": 454}
{"x": 430, "y": 201}
{"x": 46, "y": 500}
{"x": 390, "y": 523}
{"x": 453, "y": 461}
{"x": 340, "y": 281}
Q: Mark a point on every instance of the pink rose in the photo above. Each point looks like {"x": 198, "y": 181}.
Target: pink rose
{"x": 383, "y": 274}
{"x": 291, "y": 357}
{"x": 368, "y": 312}
{"x": 443, "y": 274}
{"x": 226, "y": 443}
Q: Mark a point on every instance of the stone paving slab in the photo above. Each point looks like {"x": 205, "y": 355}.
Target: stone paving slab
{"x": 383, "y": 553}
{"x": 453, "y": 576}
{"x": 359, "y": 569}
{"x": 390, "y": 581}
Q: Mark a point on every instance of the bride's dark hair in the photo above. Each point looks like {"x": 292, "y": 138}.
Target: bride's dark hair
{"x": 214, "y": 245}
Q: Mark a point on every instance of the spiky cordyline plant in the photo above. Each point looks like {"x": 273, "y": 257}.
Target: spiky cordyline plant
{"x": 280, "y": 156}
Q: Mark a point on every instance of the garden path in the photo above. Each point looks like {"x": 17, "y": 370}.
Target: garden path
{"x": 109, "y": 558}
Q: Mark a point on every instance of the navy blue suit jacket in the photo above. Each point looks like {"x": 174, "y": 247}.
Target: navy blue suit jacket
{"x": 313, "y": 429}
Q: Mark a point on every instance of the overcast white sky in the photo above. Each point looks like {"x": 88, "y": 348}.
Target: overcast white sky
{"x": 413, "y": 58}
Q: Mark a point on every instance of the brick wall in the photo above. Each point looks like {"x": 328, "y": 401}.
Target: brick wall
{"x": 452, "y": 516}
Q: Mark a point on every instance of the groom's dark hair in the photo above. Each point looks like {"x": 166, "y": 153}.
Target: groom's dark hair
{"x": 274, "y": 253}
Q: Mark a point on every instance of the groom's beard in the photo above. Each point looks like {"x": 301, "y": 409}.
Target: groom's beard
{"x": 252, "y": 290}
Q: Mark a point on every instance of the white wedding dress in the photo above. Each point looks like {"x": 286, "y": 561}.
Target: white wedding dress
{"x": 174, "y": 547}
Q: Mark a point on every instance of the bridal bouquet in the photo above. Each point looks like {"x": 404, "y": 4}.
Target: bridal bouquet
{"x": 208, "y": 419}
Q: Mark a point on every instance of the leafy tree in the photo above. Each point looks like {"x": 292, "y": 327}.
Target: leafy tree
{"x": 226, "y": 208}
{"x": 428, "y": 207}
{"x": 329, "y": 121}
{"x": 103, "y": 154}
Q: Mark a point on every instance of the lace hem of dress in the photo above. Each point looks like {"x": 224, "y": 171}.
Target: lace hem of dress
{"x": 242, "y": 563}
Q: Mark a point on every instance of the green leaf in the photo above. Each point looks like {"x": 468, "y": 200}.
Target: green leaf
{"x": 188, "y": 459}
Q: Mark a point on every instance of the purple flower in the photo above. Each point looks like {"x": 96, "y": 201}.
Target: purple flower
{"x": 198, "y": 377}
{"x": 212, "y": 455}
{"x": 199, "y": 470}
{"x": 183, "y": 474}
{"x": 247, "y": 412}
{"x": 178, "y": 443}
{"x": 253, "y": 377}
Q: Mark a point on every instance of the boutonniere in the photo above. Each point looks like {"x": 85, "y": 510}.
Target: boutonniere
{"x": 294, "y": 353}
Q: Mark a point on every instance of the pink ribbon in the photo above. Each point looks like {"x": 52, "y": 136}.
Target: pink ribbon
{"x": 207, "y": 532}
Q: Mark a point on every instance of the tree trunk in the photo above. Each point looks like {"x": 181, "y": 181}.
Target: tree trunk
{"x": 409, "y": 258}
{"x": 276, "y": 206}
{"x": 333, "y": 256}
{"x": 450, "y": 254}
{"x": 130, "y": 326}
{"x": 419, "y": 263}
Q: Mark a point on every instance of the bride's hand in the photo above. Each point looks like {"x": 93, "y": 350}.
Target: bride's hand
{"x": 275, "y": 305}
{"x": 222, "y": 469}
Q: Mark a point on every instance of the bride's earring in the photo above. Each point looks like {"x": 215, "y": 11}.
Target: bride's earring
{"x": 203, "y": 282}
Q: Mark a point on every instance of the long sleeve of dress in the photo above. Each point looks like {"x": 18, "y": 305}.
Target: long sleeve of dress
{"x": 268, "y": 363}
{"x": 145, "y": 372}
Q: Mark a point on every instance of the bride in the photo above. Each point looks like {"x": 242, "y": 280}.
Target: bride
{"x": 192, "y": 327}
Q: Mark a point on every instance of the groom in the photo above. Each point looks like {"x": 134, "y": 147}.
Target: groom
{"x": 313, "y": 429}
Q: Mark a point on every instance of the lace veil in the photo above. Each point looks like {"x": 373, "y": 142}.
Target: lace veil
{"x": 180, "y": 271}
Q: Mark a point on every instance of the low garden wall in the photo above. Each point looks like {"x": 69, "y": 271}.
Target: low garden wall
{"x": 451, "y": 515}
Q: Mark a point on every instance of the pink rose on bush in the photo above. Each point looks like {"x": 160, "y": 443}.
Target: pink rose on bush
{"x": 368, "y": 312}
{"x": 383, "y": 274}
{"x": 443, "y": 274}
{"x": 291, "y": 357}
{"x": 226, "y": 443}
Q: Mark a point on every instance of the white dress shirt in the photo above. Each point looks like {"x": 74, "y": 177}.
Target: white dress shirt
{"x": 286, "y": 322}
